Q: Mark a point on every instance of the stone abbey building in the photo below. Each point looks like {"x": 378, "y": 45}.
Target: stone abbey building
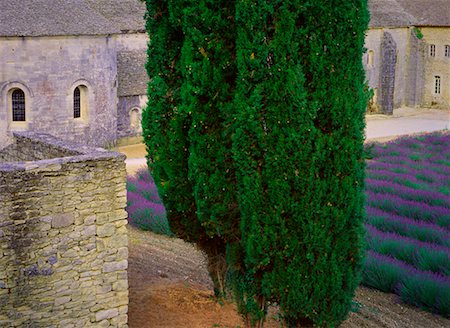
{"x": 75, "y": 68}
{"x": 407, "y": 61}
{"x": 72, "y": 68}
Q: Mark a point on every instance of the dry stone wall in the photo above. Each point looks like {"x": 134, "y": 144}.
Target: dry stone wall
{"x": 63, "y": 238}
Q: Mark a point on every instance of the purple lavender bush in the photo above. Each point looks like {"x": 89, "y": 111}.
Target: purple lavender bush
{"x": 408, "y": 220}
{"x": 145, "y": 209}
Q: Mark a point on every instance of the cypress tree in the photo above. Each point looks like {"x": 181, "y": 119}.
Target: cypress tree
{"x": 298, "y": 152}
{"x": 254, "y": 129}
{"x": 192, "y": 72}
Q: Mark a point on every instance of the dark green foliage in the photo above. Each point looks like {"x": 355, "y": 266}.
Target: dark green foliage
{"x": 192, "y": 72}
{"x": 299, "y": 154}
{"x": 254, "y": 129}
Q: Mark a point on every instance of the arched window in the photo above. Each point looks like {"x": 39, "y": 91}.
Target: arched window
{"x": 80, "y": 103}
{"x": 135, "y": 119}
{"x": 76, "y": 103}
{"x": 18, "y": 105}
{"x": 370, "y": 58}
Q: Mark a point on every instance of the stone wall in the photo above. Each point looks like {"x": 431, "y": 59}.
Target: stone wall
{"x": 63, "y": 239}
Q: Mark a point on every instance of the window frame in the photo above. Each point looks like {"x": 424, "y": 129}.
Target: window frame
{"x": 84, "y": 101}
{"x": 136, "y": 128}
{"x": 437, "y": 85}
{"x": 77, "y": 102}
{"x": 447, "y": 50}
{"x": 432, "y": 50}
{"x": 18, "y": 106}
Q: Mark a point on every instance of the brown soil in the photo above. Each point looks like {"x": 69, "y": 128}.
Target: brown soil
{"x": 170, "y": 288}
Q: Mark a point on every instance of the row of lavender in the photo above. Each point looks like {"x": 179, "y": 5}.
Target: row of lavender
{"x": 408, "y": 218}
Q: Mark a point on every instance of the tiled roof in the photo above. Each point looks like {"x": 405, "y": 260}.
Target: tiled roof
{"x": 428, "y": 12}
{"x": 70, "y": 17}
{"x": 126, "y": 15}
{"x": 403, "y": 13}
{"x": 50, "y": 18}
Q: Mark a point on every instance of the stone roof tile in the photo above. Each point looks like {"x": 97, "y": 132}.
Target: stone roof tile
{"x": 126, "y": 15}
{"x": 404, "y": 13}
{"x": 51, "y": 18}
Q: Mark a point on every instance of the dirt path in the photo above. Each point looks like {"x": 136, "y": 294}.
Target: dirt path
{"x": 170, "y": 288}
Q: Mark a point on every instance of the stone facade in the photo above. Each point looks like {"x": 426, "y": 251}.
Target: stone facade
{"x": 437, "y": 65}
{"x": 63, "y": 239}
{"x": 50, "y": 49}
{"x": 132, "y": 91}
{"x": 411, "y": 67}
{"x": 48, "y": 69}
{"x": 401, "y": 67}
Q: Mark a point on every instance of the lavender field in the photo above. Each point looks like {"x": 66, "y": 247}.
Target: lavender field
{"x": 408, "y": 218}
{"x": 144, "y": 206}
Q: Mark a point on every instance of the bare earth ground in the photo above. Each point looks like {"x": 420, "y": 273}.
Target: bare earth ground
{"x": 170, "y": 287}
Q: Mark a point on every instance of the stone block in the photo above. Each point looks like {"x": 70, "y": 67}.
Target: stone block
{"x": 115, "y": 266}
{"x": 89, "y": 230}
{"x": 106, "y": 314}
{"x": 62, "y": 300}
{"x": 106, "y": 230}
{"x": 63, "y": 220}
{"x": 120, "y": 285}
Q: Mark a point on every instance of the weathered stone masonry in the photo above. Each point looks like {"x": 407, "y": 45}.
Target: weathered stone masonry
{"x": 63, "y": 239}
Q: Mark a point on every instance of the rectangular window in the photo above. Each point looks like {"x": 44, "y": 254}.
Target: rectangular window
{"x": 432, "y": 50}
{"x": 447, "y": 51}
{"x": 437, "y": 85}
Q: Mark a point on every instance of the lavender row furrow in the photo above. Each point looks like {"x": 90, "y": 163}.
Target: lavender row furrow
{"x": 380, "y": 236}
{"x": 420, "y": 230}
{"x": 412, "y": 209}
{"x": 407, "y": 269}
{"x": 407, "y": 193}
{"x": 420, "y": 177}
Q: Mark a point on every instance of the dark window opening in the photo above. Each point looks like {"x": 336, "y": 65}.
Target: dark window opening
{"x": 18, "y": 106}
{"x": 432, "y": 50}
{"x": 437, "y": 85}
{"x": 76, "y": 103}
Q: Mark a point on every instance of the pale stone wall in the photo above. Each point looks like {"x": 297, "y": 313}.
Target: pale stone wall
{"x": 415, "y": 73}
{"x": 63, "y": 239}
{"x": 48, "y": 69}
{"x": 132, "y": 42}
{"x": 439, "y": 65}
